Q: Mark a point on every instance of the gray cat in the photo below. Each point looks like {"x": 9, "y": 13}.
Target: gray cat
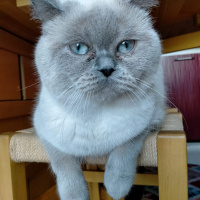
{"x": 102, "y": 88}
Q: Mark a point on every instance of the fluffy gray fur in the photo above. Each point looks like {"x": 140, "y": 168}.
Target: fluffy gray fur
{"x": 82, "y": 113}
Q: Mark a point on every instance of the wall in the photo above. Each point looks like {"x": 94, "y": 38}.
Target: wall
{"x": 16, "y": 76}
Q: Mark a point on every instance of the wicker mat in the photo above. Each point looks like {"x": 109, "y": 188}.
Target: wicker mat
{"x": 26, "y": 146}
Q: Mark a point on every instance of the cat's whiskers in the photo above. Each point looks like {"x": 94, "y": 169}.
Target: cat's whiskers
{"x": 87, "y": 102}
{"x": 89, "y": 99}
{"x": 79, "y": 102}
{"x": 163, "y": 96}
{"x": 86, "y": 99}
{"x": 146, "y": 96}
{"x": 132, "y": 88}
{"x": 128, "y": 93}
{"x": 29, "y": 86}
{"x": 72, "y": 95}
{"x": 144, "y": 83}
{"x": 127, "y": 88}
{"x": 140, "y": 95}
{"x": 60, "y": 95}
{"x": 75, "y": 97}
{"x": 74, "y": 102}
{"x": 61, "y": 133}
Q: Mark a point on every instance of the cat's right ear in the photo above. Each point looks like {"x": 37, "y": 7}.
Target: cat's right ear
{"x": 45, "y": 10}
{"x": 144, "y": 4}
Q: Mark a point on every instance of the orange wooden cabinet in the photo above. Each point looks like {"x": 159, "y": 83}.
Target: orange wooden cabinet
{"x": 18, "y": 82}
{"x": 9, "y": 76}
{"x": 30, "y": 81}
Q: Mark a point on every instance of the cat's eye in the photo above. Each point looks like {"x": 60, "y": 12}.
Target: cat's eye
{"x": 125, "y": 46}
{"x": 79, "y": 48}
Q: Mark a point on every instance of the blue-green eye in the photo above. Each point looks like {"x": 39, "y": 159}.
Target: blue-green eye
{"x": 79, "y": 48}
{"x": 126, "y": 46}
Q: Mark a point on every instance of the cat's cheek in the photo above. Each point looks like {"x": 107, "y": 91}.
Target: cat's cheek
{"x": 121, "y": 57}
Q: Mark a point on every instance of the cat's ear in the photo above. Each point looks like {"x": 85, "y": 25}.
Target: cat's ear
{"x": 145, "y": 4}
{"x": 45, "y": 9}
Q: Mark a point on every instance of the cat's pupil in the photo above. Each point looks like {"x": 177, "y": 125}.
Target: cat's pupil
{"x": 78, "y": 47}
{"x": 125, "y": 44}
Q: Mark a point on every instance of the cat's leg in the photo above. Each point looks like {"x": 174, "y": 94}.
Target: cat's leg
{"x": 70, "y": 180}
{"x": 121, "y": 168}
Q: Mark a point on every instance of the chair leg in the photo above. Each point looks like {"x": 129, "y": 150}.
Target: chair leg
{"x": 172, "y": 165}
{"x": 12, "y": 175}
{"x": 94, "y": 191}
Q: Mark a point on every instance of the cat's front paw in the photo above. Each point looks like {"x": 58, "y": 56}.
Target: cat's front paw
{"x": 71, "y": 188}
{"x": 117, "y": 182}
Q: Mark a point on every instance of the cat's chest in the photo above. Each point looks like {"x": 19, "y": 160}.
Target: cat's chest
{"x": 96, "y": 133}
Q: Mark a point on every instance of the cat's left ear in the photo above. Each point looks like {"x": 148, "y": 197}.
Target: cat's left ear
{"x": 145, "y": 4}
{"x": 45, "y": 9}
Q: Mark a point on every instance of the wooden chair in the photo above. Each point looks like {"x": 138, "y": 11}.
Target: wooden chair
{"x": 165, "y": 150}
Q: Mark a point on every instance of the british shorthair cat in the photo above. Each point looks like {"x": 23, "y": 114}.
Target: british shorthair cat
{"x": 101, "y": 90}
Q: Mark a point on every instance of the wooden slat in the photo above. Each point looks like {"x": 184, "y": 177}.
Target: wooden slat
{"x": 21, "y": 3}
{"x": 30, "y": 80}
{"x": 14, "y": 44}
{"x": 146, "y": 179}
{"x": 182, "y": 42}
{"x": 197, "y": 20}
{"x": 13, "y": 176}
{"x": 16, "y": 21}
{"x": 15, "y": 124}
{"x": 172, "y": 111}
{"x": 5, "y": 173}
{"x": 50, "y": 194}
{"x": 171, "y": 11}
{"x": 40, "y": 181}
{"x": 191, "y": 7}
{"x": 10, "y": 76}
{"x": 10, "y": 1}
{"x": 140, "y": 179}
{"x": 10, "y": 109}
{"x": 178, "y": 28}
{"x": 94, "y": 189}
{"x": 172, "y": 165}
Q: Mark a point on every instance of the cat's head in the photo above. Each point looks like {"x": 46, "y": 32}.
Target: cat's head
{"x": 96, "y": 49}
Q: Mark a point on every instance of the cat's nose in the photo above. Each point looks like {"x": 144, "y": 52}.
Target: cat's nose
{"x": 107, "y": 72}
{"x": 106, "y": 65}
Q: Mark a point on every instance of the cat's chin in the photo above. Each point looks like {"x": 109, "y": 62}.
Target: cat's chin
{"x": 107, "y": 94}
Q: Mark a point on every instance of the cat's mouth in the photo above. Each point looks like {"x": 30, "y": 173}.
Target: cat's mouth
{"x": 104, "y": 88}
{"x": 107, "y": 90}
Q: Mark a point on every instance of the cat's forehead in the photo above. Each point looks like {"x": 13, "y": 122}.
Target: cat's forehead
{"x": 88, "y": 4}
{"x": 101, "y": 24}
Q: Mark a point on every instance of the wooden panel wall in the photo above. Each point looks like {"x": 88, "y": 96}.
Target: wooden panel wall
{"x": 18, "y": 83}
{"x": 17, "y": 22}
{"x": 10, "y": 79}
{"x": 30, "y": 78}
{"x": 9, "y": 1}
